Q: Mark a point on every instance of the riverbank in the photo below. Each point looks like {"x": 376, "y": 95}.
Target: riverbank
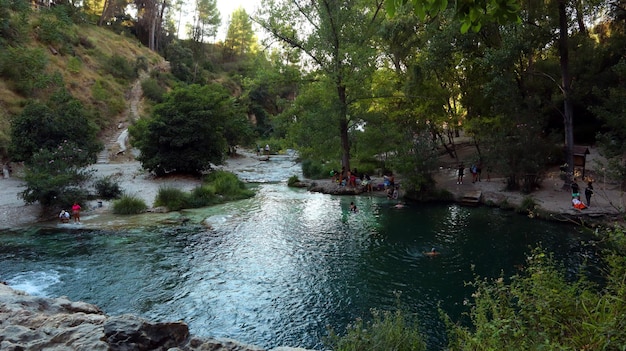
{"x": 552, "y": 201}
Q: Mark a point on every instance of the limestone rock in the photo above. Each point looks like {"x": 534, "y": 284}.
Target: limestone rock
{"x": 31, "y": 323}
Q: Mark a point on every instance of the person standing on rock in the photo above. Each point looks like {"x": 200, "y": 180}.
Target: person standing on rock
{"x": 588, "y": 193}
{"x": 575, "y": 189}
{"x": 459, "y": 179}
{"x": 76, "y": 212}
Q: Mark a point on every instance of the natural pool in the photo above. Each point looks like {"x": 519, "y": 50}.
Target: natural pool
{"x": 277, "y": 269}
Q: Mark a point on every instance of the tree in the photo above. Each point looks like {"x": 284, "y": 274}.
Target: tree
{"x": 471, "y": 13}
{"x": 45, "y": 126}
{"x": 240, "y": 38}
{"x": 207, "y": 20}
{"x": 188, "y": 131}
{"x": 56, "y": 176}
{"x": 336, "y": 38}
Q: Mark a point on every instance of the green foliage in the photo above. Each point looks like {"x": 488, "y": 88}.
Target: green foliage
{"x": 203, "y": 196}
{"x": 217, "y": 187}
{"x": 189, "y": 131}
{"x": 51, "y": 30}
{"x": 74, "y": 64}
{"x": 293, "y": 180}
{"x": 55, "y": 176}
{"x": 314, "y": 169}
{"x": 172, "y": 198}
{"x": 45, "y": 126}
{"x": 13, "y": 22}
{"x": 472, "y": 14}
{"x": 24, "y": 67}
{"x": 528, "y": 205}
{"x": 612, "y": 139}
{"x": 153, "y": 90}
{"x": 540, "y": 309}
{"x": 128, "y": 205}
{"x": 181, "y": 59}
{"x": 113, "y": 101}
{"x": 386, "y": 331}
{"x": 121, "y": 68}
{"x": 227, "y": 185}
{"x": 108, "y": 188}
{"x": 141, "y": 64}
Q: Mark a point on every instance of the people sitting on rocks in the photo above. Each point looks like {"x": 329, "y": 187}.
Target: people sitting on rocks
{"x": 578, "y": 204}
{"x": 366, "y": 182}
{"x": 351, "y": 179}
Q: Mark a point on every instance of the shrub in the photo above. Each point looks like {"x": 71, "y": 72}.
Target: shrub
{"x": 119, "y": 67}
{"x": 293, "y": 180}
{"x": 127, "y": 205}
{"x": 314, "y": 170}
{"x": 108, "y": 188}
{"x": 74, "y": 64}
{"x": 387, "y": 331}
{"x": 141, "y": 64}
{"x": 172, "y": 198}
{"x": 539, "y": 309}
{"x": 527, "y": 206}
{"x": 202, "y": 196}
{"x": 152, "y": 90}
{"x": 228, "y": 185}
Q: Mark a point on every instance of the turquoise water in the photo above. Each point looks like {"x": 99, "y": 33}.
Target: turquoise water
{"x": 277, "y": 269}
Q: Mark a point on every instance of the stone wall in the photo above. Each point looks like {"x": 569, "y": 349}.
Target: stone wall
{"x": 58, "y": 324}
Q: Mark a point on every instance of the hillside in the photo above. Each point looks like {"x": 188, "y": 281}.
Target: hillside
{"x": 98, "y": 67}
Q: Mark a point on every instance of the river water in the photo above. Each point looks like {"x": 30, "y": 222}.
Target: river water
{"x": 281, "y": 267}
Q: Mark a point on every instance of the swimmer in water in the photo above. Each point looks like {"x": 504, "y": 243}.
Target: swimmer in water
{"x": 432, "y": 252}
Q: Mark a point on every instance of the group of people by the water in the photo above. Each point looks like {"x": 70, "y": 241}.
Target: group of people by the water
{"x": 64, "y": 216}
{"x": 576, "y": 202}
{"x": 476, "y": 169}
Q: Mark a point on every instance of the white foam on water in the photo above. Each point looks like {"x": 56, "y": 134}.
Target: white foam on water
{"x": 35, "y": 283}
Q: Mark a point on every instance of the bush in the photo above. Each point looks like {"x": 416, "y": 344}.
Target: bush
{"x": 74, "y": 64}
{"x": 152, "y": 90}
{"x": 108, "y": 188}
{"x": 119, "y": 67}
{"x": 541, "y": 310}
{"x": 293, "y": 180}
{"x": 129, "y": 205}
{"x": 202, "y": 196}
{"x": 527, "y": 206}
{"x": 313, "y": 170}
{"x": 172, "y": 198}
{"x": 228, "y": 185}
{"x": 386, "y": 331}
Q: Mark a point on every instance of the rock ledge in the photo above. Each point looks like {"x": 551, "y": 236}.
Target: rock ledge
{"x": 58, "y": 324}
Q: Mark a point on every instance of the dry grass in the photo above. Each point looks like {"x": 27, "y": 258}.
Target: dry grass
{"x": 80, "y": 81}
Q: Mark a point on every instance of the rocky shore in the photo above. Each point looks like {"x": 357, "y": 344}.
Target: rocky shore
{"x": 36, "y": 323}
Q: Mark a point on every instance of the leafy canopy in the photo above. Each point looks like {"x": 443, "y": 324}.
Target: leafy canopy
{"x": 56, "y": 176}
{"x": 190, "y": 130}
{"x": 48, "y": 125}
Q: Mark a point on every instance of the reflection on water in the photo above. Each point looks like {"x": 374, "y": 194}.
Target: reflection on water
{"x": 277, "y": 269}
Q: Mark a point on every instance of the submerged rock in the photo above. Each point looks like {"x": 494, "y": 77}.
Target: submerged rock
{"x": 58, "y": 324}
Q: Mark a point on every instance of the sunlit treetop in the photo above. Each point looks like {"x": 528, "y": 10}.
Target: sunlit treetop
{"x": 471, "y": 13}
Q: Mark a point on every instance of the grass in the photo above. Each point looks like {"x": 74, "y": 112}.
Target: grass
{"x": 128, "y": 205}
{"x": 218, "y": 187}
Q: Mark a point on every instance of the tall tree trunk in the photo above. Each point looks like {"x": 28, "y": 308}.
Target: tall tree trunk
{"x": 105, "y": 12}
{"x": 568, "y": 114}
{"x": 343, "y": 126}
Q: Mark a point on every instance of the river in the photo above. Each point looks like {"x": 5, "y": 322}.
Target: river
{"x": 283, "y": 266}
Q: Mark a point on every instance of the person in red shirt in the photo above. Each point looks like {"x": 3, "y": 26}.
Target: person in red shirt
{"x": 76, "y": 212}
